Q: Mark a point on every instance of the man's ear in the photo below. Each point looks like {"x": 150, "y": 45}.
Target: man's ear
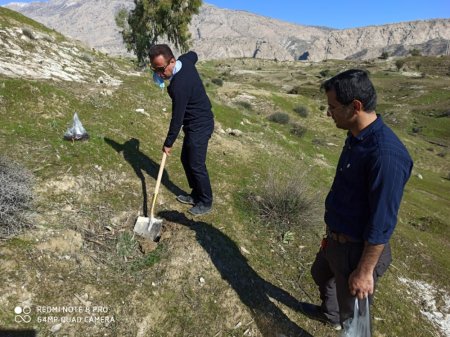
{"x": 357, "y": 105}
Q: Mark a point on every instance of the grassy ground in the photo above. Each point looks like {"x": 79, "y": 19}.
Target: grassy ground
{"x": 227, "y": 274}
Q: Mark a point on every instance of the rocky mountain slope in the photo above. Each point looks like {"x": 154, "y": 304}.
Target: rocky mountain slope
{"x": 222, "y": 33}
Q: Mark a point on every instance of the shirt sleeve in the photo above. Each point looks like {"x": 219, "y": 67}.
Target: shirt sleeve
{"x": 180, "y": 98}
{"x": 388, "y": 175}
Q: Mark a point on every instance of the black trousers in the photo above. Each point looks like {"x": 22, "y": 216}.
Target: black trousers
{"x": 331, "y": 270}
{"x": 193, "y": 158}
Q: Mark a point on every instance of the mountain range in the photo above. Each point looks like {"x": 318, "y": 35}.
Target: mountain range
{"x": 222, "y": 33}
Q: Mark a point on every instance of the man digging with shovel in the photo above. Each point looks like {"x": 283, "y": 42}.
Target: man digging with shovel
{"x": 191, "y": 109}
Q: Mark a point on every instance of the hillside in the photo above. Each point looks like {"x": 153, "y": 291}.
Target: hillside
{"x": 219, "y": 33}
{"x": 82, "y": 272}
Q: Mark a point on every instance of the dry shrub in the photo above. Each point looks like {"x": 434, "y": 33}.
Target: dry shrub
{"x": 217, "y": 81}
{"x": 244, "y": 104}
{"x": 15, "y": 197}
{"x": 302, "y": 110}
{"x": 279, "y": 117}
{"x": 284, "y": 202}
{"x": 28, "y": 33}
{"x": 298, "y": 130}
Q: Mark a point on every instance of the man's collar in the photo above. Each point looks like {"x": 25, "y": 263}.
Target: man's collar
{"x": 176, "y": 69}
{"x": 375, "y": 125}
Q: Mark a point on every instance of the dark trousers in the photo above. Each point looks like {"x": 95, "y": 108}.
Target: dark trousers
{"x": 331, "y": 270}
{"x": 193, "y": 158}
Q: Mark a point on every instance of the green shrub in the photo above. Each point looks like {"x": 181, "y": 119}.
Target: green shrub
{"x": 384, "y": 55}
{"x": 298, "y": 130}
{"x": 415, "y": 52}
{"x": 325, "y": 73}
{"x": 302, "y": 110}
{"x": 279, "y": 117}
{"x": 399, "y": 64}
{"x": 217, "y": 81}
{"x": 126, "y": 245}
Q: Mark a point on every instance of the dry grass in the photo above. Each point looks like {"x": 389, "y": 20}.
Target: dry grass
{"x": 15, "y": 197}
{"x": 284, "y": 202}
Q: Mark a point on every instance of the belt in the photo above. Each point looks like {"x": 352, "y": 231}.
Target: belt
{"x": 341, "y": 238}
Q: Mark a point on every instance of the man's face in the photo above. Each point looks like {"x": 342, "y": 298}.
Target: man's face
{"x": 343, "y": 115}
{"x": 163, "y": 67}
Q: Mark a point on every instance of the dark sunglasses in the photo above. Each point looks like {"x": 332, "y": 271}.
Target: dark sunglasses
{"x": 159, "y": 69}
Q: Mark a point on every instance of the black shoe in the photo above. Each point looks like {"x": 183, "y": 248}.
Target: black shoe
{"x": 200, "y": 209}
{"x": 315, "y": 312}
{"x": 186, "y": 199}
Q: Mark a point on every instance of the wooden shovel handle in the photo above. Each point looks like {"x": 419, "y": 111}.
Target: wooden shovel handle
{"x": 158, "y": 183}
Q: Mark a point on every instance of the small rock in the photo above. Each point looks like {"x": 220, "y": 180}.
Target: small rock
{"x": 142, "y": 111}
{"x": 202, "y": 280}
{"x": 109, "y": 228}
{"x": 245, "y": 251}
{"x": 234, "y": 132}
{"x": 147, "y": 246}
{"x": 56, "y": 328}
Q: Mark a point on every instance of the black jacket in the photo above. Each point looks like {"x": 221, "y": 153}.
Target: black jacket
{"x": 190, "y": 104}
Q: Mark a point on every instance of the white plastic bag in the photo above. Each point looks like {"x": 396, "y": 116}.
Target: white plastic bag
{"x": 77, "y": 131}
{"x": 359, "y": 325}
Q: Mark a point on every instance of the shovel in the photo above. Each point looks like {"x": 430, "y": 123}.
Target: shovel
{"x": 150, "y": 228}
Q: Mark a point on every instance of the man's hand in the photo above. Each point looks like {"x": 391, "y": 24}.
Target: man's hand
{"x": 361, "y": 283}
{"x": 167, "y": 150}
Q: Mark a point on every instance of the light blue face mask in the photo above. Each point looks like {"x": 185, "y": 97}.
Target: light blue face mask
{"x": 158, "y": 81}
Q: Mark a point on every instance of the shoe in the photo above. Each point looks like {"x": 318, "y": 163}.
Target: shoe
{"x": 200, "y": 209}
{"x": 186, "y": 199}
{"x": 315, "y": 312}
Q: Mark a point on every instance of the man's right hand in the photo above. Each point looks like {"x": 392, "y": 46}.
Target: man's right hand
{"x": 167, "y": 150}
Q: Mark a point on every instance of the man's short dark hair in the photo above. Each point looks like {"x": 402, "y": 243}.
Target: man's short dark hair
{"x": 160, "y": 49}
{"x": 350, "y": 85}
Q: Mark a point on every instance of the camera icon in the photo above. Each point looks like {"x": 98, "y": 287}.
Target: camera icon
{"x": 22, "y": 314}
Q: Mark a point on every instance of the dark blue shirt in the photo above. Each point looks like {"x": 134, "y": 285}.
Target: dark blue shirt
{"x": 190, "y": 104}
{"x": 370, "y": 177}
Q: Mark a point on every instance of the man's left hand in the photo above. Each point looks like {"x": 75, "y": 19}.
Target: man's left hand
{"x": 361, "y": 283}
{"x": 167, "y": 150}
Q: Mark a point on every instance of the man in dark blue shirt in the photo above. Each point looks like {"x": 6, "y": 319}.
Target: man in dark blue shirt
{"x": 362, "y": 205}
{"x": 191, "y": 109}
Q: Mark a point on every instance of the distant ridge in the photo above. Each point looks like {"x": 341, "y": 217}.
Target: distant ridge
{"x": 223, "y": 33}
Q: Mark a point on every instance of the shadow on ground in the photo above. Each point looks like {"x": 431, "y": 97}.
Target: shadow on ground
{"x": 142, "y": 163}
{"x": 253, "y": 291}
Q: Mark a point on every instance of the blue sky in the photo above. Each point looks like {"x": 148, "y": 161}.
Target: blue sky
{"x": 338, "y": 14}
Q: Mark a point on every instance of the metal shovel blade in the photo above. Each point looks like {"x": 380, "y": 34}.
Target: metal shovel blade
{"x": 149, "y": 228}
